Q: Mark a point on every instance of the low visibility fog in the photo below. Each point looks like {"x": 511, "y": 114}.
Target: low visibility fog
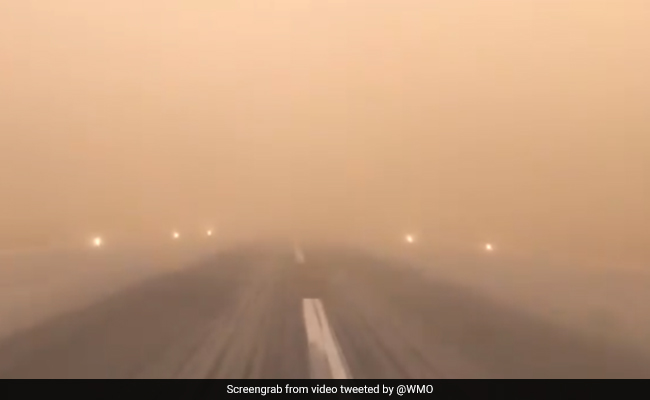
{"x": 521, "y": 123}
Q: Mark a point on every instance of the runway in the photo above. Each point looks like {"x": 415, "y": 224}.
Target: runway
{"x": 304, "y": 312}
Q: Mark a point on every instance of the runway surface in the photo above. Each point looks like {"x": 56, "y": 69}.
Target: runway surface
{"x": 298, "y": 312}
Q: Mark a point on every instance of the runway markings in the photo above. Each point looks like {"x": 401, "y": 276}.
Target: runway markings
{"x": 326, "y": 358}
{"x": 300, "y": 256}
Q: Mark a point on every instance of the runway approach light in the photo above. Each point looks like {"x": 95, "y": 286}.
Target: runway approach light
{"x": 410, "y": 239}
{"x": 97, "y": 242}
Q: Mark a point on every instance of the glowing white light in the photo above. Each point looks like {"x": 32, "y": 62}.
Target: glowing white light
{"x": 209, "y": 232}
{"x": 176, "y": 235}
{"x": 489, "y": 247}
{"x": 97, "y": 242}
{"x": 410, "y": 239}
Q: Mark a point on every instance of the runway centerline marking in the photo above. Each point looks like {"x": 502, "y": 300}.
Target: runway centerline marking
{"x": 300, "y": 256}
{"x": 326, "y": 358}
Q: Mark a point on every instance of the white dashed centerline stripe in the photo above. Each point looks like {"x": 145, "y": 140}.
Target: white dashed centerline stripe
{"x": 300, "y": 256}
{"x": 326, "y": 358}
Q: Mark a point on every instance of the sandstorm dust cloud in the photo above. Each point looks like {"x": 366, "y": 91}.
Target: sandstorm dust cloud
{"x": 524, "y": 122}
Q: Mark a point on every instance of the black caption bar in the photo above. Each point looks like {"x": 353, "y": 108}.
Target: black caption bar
{"x": 263, "y": 388}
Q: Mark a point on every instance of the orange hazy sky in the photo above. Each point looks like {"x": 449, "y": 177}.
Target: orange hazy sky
{"x": 525, "y": 122}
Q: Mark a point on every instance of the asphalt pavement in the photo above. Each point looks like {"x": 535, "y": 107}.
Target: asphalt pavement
{"x": 294, "y": 312}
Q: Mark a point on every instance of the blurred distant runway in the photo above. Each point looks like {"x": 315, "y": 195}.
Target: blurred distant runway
{"x": 292, "y": 312}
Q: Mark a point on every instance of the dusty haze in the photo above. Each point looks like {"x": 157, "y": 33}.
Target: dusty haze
{"x": 516, "y": 121}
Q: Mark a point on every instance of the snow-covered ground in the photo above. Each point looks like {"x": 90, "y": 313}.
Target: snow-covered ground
{"x": 38, "y": 284}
